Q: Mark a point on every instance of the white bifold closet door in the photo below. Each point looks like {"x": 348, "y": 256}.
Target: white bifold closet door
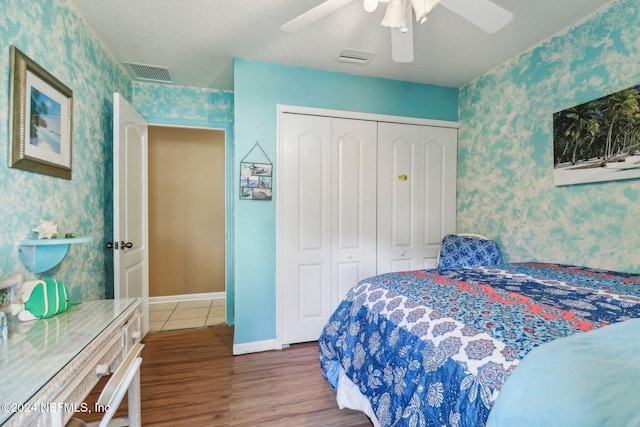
{"x": 416, "y": 194}
{"x": 326, "y": 219}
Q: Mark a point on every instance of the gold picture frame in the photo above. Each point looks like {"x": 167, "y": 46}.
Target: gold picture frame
{"x": 41, "y": 119}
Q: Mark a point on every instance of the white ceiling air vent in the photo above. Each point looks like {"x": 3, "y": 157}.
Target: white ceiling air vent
{"x": 149, "y": 73}
{"x": 355, "y": 56}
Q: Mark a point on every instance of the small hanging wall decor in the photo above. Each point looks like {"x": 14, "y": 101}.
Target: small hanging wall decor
{"x": 256, "y": 176}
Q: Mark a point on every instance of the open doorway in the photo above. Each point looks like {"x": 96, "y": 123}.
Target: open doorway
{"x": 187, "y": 286}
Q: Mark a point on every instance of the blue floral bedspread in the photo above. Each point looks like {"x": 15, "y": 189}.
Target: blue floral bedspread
{"x": 434, "y": 347}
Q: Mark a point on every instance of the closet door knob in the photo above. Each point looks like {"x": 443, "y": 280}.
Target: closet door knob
{"x": 126, "y": 245}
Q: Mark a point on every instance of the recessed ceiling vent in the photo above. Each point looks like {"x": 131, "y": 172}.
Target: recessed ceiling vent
{"x": 355, "y": 56}
{"x": 149, "y": 73}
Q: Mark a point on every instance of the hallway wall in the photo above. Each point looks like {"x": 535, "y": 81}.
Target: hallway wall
{"x": 186, "y": 211}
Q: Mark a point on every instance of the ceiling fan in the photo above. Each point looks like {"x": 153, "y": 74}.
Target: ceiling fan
{"x": 399, "y": 17}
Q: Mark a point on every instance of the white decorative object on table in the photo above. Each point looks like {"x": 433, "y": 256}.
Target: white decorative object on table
{"x": 46, "y": 230}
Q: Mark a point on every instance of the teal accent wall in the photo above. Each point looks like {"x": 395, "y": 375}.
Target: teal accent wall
{"x": 505, "y": 164}
{"x": 259, "y": 87}
{"x": 171, "y": 105}
{"x": 52, "y": 34}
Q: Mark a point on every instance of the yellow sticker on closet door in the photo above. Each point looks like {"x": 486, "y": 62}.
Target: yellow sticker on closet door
{"x": 403, "y": 177}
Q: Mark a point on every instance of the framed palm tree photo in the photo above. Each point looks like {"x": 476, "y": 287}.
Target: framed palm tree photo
{"x": 598, "y": 140}
{"x": 41, "y": 119}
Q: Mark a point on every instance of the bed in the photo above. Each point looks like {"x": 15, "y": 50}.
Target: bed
{"x": 436, "y": 347}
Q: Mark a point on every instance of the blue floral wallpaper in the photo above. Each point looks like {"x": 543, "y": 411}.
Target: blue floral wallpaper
{"x": 52, "y": 34}
{"x": 505, "y": 166}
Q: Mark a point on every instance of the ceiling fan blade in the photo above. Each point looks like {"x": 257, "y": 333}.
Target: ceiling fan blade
{"x": 483, "y": 13}
{"x": 313, "y": 15}
{"x": 402, "y": 42}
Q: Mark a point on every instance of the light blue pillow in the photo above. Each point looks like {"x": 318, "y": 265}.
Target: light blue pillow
{"x": 591, "y": 379}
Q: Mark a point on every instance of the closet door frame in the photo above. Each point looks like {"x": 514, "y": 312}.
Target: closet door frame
{"x": 292, "y": 109}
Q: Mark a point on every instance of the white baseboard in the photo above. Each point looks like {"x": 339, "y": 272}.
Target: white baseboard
{"x": 254, "y": 347}
{"x": 187, "y": 297}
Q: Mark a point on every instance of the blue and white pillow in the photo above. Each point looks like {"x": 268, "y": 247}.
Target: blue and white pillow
{"x": 467, "y": 251}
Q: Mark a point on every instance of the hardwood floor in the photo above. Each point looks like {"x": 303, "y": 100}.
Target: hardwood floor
{"x": 191, "y": 378}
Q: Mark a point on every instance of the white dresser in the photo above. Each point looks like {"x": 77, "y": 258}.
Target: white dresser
{"x": 49, "y": 366}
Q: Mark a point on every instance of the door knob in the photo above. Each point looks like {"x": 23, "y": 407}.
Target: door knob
{"x": 126, "y": 245}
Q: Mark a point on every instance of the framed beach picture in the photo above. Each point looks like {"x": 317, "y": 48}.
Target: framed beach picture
{"x": 41, "y": 119}
{"x": 598, "y": 140}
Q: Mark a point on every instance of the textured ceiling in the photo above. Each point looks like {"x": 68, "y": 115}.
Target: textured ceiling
{"x": 198, "y": 39}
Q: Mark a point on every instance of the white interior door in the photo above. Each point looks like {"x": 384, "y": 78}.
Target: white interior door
{"x": 304, "y": 230}
{"x": 130, "y": 204}
{"x": 354, "y": 145}
{"x": 440, "y": 161}
{"x": 416, "y": 194}
{"x": 327, "y": 217}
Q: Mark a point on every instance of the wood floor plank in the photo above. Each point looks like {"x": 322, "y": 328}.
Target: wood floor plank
{"x": 190, "y": 378}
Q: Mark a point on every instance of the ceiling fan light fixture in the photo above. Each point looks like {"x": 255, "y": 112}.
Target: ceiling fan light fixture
{"x": 370, "y": 5}
{"x": 394, "y": 16}
{"x": 422, "y": 8}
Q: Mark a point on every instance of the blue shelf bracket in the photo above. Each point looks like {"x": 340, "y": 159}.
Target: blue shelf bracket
{"x": 40, "y": 255}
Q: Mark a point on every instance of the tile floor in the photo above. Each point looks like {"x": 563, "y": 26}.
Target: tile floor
{"x": 169, "y": 316}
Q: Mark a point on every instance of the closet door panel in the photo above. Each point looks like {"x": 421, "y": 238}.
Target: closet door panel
{"x": 305, "y": 226}
{"x": 354, "y": 203}
{"x": 310, "y": 195}
{"x": 401, "y": 264}
{"x": 399, "y": 199}
{"x": 348, "y": 175}
{"x": 440, "y": 166}
{"x": 416, "y": 194}
{"x": 310, "y": 290}
{"x": 348, "y": 274}
{"x": 402, "y": 200}
{"x": 432, "y": 193}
